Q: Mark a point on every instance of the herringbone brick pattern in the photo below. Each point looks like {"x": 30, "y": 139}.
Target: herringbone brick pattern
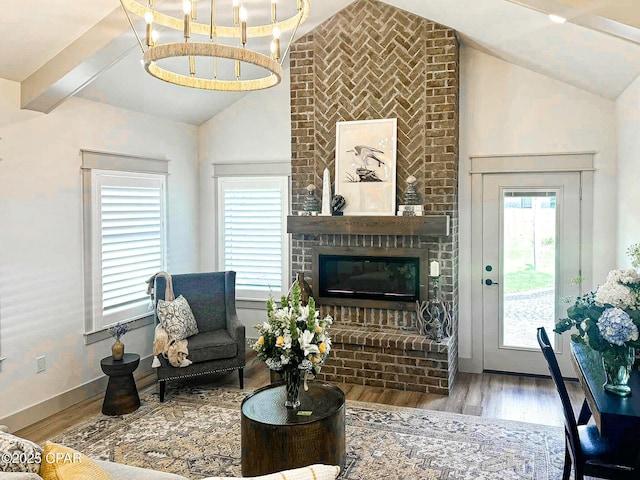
{"x": 373, "y": 61}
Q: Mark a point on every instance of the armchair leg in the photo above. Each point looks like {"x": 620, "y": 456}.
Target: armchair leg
{"x": 241, "y": 377}
{"x": 163, "y": 385}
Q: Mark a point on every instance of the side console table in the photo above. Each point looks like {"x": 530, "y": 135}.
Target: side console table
{"x": 122, "y": 395}
{"x": 275, "y": 438}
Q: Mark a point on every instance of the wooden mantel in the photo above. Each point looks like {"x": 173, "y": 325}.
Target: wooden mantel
{"x": 430, "y": 225}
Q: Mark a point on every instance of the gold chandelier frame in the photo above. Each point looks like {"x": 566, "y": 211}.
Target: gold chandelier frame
{"x": 213, "y": 49}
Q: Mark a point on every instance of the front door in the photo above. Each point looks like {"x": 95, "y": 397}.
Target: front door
{"x": 531, "y": 245}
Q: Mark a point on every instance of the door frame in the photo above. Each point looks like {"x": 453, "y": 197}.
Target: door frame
{"x": 581, "y": 162}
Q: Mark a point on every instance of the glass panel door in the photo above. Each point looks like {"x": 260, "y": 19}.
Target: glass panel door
{"x": 531, "y": 246}
{"x": 529, "y": 266}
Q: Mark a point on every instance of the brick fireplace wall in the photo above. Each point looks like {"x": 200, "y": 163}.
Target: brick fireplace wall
{"x": 373, "y": 61}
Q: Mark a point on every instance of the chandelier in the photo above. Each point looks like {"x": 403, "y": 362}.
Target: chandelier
{"x": 223, "y": 53}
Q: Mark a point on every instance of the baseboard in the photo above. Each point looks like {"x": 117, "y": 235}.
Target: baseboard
{"x": 53, "y": 405}
{"x": 469, "y": 365}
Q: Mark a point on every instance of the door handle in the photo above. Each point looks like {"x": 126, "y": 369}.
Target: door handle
{"x": 488, "y": 282}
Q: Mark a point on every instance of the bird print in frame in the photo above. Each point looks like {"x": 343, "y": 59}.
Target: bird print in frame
{"x": 366, "y": 166}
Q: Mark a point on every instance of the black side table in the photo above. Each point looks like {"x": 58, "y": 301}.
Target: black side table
{"x": 275, "y": 438}
{"x": 122, "y": 394}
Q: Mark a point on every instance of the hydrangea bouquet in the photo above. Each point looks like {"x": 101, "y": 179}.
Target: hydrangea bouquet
{"x": 294, "y": 339}
{"x": 608, "y": 319}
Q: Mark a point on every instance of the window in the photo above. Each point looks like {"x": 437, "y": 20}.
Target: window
{"x": 252, "y": 234}
{"x": 124, "y": 228}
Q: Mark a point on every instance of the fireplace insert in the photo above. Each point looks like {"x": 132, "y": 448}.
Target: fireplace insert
{"x": 383, "y": 278}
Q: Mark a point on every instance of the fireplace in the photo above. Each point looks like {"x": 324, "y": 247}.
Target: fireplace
{"x": 369, "y": 277}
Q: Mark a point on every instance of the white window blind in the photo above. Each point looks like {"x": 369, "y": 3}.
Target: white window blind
{"x": 128, "y": 239}
{"x": 253, "y": 240}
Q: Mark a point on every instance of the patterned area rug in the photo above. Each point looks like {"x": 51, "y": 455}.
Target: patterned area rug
{"x": 196, "y": 433}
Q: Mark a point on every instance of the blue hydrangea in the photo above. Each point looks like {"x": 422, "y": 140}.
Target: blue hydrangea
{"x": 616, "y": 327}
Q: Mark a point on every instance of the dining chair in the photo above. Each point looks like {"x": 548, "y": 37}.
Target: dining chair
{"x": 585, "y": 449}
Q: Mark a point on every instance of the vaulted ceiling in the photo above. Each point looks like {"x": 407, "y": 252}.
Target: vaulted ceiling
{"x": 59, "y": 48}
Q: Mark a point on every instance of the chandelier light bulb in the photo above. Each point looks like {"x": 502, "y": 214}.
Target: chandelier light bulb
{"x": 271, "y": 28}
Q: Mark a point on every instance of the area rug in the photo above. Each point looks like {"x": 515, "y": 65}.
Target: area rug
{"x": 196, "y": 433}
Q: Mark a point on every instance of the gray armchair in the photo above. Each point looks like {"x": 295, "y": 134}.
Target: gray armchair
{"x": 219, "y": 344}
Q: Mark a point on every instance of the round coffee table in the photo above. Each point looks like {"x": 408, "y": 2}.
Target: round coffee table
{"x": 275, "y": 438}
{"x": 122, "y": 395}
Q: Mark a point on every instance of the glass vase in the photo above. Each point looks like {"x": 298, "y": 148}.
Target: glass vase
{"x": 617, "y": 365}
{"x": 292, "y": 379}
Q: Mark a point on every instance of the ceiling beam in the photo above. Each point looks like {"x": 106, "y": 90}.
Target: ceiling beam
{"x": 601, "y": 19}
{"x": 78, "y": 64}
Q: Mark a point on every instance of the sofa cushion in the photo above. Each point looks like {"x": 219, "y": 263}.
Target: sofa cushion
{"x": 18, "y": 454}
{"x": 211, "y": 346}
{"x": 64, "y": 463}
{"x": 120, "y": 471}
{"x": 312, "y": 472}
{"x": 176, "y": 318}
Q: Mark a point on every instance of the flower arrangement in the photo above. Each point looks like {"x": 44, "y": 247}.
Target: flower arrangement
{"x": 293, "y": 337}
{"x": 634, "y": 253}
{"x": 118, "y": 330}
{"x": 608, "y": 319}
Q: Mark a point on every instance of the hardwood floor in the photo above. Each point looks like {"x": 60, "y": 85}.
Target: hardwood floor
{"x": 490, "y": 395}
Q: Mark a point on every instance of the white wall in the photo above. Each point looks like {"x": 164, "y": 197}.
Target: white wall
{"x": 255, "y": 129}
{"x": 505, "y": 109}
{"x": 41, "y": 262}
{"x": 628, "y": 125}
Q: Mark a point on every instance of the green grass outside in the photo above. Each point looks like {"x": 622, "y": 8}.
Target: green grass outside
{"x": 525, "y": 280}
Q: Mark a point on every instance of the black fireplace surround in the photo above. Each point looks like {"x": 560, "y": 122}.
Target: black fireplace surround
{"x": 369, "y": 277}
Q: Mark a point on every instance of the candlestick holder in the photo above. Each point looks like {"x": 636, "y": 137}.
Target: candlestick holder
{"x": 434, "y": 315}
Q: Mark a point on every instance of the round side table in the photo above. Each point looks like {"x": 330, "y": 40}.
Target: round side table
{"x": 275, "y": 438}
{"x": 122, "y": 394}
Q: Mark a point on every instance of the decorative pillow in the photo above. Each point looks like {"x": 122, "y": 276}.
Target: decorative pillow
{"x": 18, "y": 454}
{"x": 312, "y": 472}
{"x": 64, "y": 463}
{"x": 177, "y": 318}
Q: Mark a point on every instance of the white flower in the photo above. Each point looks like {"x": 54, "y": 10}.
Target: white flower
{"x": 616, "y": 295}
{"x": 623, "y": 276}
{"x": 306, "y": 344}
{"x": 282, "y": 314}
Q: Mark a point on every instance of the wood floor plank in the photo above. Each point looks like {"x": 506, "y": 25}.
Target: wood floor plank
{"x": 490, "y": 395}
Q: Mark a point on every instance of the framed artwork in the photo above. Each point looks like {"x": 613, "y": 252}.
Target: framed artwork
{"x": 366, "y": 166}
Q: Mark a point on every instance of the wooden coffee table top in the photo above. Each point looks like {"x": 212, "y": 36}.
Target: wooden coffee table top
{"x": 266, "y": 405}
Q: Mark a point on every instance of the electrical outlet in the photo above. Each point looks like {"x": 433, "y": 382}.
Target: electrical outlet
{"x": 41, "y": 365}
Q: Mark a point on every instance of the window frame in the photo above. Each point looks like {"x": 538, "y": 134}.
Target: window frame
{"x": 282, "y": 181}
{"x": 94, "y": 165}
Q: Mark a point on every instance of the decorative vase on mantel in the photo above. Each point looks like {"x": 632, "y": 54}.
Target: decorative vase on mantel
{"x": 117, "y": 350}
{"x": 617, "y": 366}
{"x": 292, "y": 379}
